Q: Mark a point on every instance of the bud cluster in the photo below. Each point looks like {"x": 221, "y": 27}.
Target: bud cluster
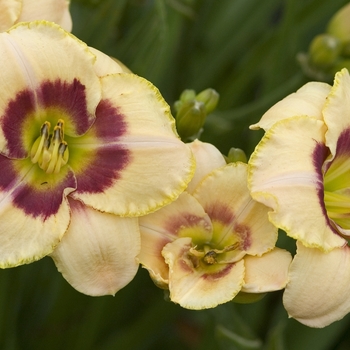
{"x": 191, "y": 111}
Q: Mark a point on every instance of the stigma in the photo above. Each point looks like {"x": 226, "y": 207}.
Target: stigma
{"x": 49, "y": 150}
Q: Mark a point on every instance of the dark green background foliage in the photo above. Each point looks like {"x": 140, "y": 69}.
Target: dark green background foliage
{"x": 246, "y": 50}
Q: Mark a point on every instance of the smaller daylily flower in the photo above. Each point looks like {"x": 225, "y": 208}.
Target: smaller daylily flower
{"x": 16, "y": 11}
{"x": 214, "y": 240}
{"x": 85, "y": 148}
{"x": 300, "y": 169}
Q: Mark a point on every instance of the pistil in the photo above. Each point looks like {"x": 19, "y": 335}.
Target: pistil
{"x": 50, "y": 151}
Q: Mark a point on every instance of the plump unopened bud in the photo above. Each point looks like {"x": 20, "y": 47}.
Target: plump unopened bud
{"x": 190, "y": 118}
{"x": 236, "y": 155}
{"x": 324, "y": 50}
{"x": 339, "y": 25}
{"x": 210, "y": 98}
{"x": 186, "y": 96}
{"x": 192, "y": 109}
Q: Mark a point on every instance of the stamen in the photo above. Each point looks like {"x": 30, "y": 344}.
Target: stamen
{"x": 209, "y": 254}
{"x": 337, "y": 176}
{"x": 337, "y": 192}
{"x": 40, "y": 142}
{"x": 50, "y": 151}
{"x": 198, "y": 254}
{"x": 60, "y": 161}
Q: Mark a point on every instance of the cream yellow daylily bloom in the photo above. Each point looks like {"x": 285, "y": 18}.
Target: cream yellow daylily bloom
{"x": 301, "y": 170}
{"x": 16, "y": 11}
{"x": 85, "y": 148}
{"x": 214, "y": 241}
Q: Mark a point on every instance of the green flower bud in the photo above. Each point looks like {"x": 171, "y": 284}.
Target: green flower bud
{"x": 324, "y": 50}
{"x": 186, "y": 95}
{"x": 190, "y": 118}
{"x": 339, "y": 25}
{"x": 236, "y": 155}
{"x": 210, "y": 98}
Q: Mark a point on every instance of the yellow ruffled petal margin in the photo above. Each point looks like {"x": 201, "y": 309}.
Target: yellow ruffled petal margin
{"x": 197, "y": 289}
{"x": 308, "y": 100}
{"x": 105, "y": 65}
{"x": 337, "y": 109}
{"x": 161, "y": 165}
{"x": 30, "y": 56}
{"x": 16, "y": 11}
{"x": 198, "y": 246}
{"x": 318, "y": 291}
{"x": 283, "y": 176}
{"x": 225, "y": 198}
{"x": 26, "y": 238}
{"x": 184, "y": 217}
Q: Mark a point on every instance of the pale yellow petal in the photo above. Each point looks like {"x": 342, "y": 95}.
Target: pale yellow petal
{"x": 208, "y": 158}
{"x": 200, "y": 288}
{"x": 9, "y": 12}
{"x": 159, "y": 165}
{"x": 104, "y": 64}
{"x": 34, "y": 215}
{"x": 225, "y": 198}
{"x": 337, "y": 110}
{"x": 49, "y": 10}
{"x": 184, "y": 217}
{"x": 319, "y": 288}
{"x": 66, "y": 20}
{"x": 97, "y": 255}
{"x": 284, "y": 176}
{"x": 39, "y": 52}
{"x": 266, "y": 273}
{"x": 308, "y": 100}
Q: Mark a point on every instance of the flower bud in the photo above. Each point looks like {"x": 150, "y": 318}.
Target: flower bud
{"x": 339, "y": 25}
{"x": 191, "y": 111}
{"x": 324, "y": 50}
{"x": 187, "y": 95}
{"x": 190, "y": 118}
{"x": 236, "y": 155}
{"x": 210, "y": 98}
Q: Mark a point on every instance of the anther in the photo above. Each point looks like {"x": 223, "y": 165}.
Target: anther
{"x": 210, "y": 258}
{"x": 50, "y": 151}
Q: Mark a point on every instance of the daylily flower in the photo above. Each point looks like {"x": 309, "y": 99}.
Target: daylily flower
{"x": 84, "y": 149}
{"x": 301, "y": 170}
{"x": 16, "y": 11}
{"x": 214, "y": 240}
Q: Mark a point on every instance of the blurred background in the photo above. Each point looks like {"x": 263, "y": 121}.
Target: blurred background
{"x": 244, "y": 49}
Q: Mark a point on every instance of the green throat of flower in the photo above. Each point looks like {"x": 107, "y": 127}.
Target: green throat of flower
{"x": 49, "y": 150}
{"x": 337, "y": 192}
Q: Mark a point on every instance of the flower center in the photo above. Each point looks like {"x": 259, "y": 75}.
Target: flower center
{"x": 210, "y": 256}
{"x": 337, "y": 191}
{"x": 50, "y": 151}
